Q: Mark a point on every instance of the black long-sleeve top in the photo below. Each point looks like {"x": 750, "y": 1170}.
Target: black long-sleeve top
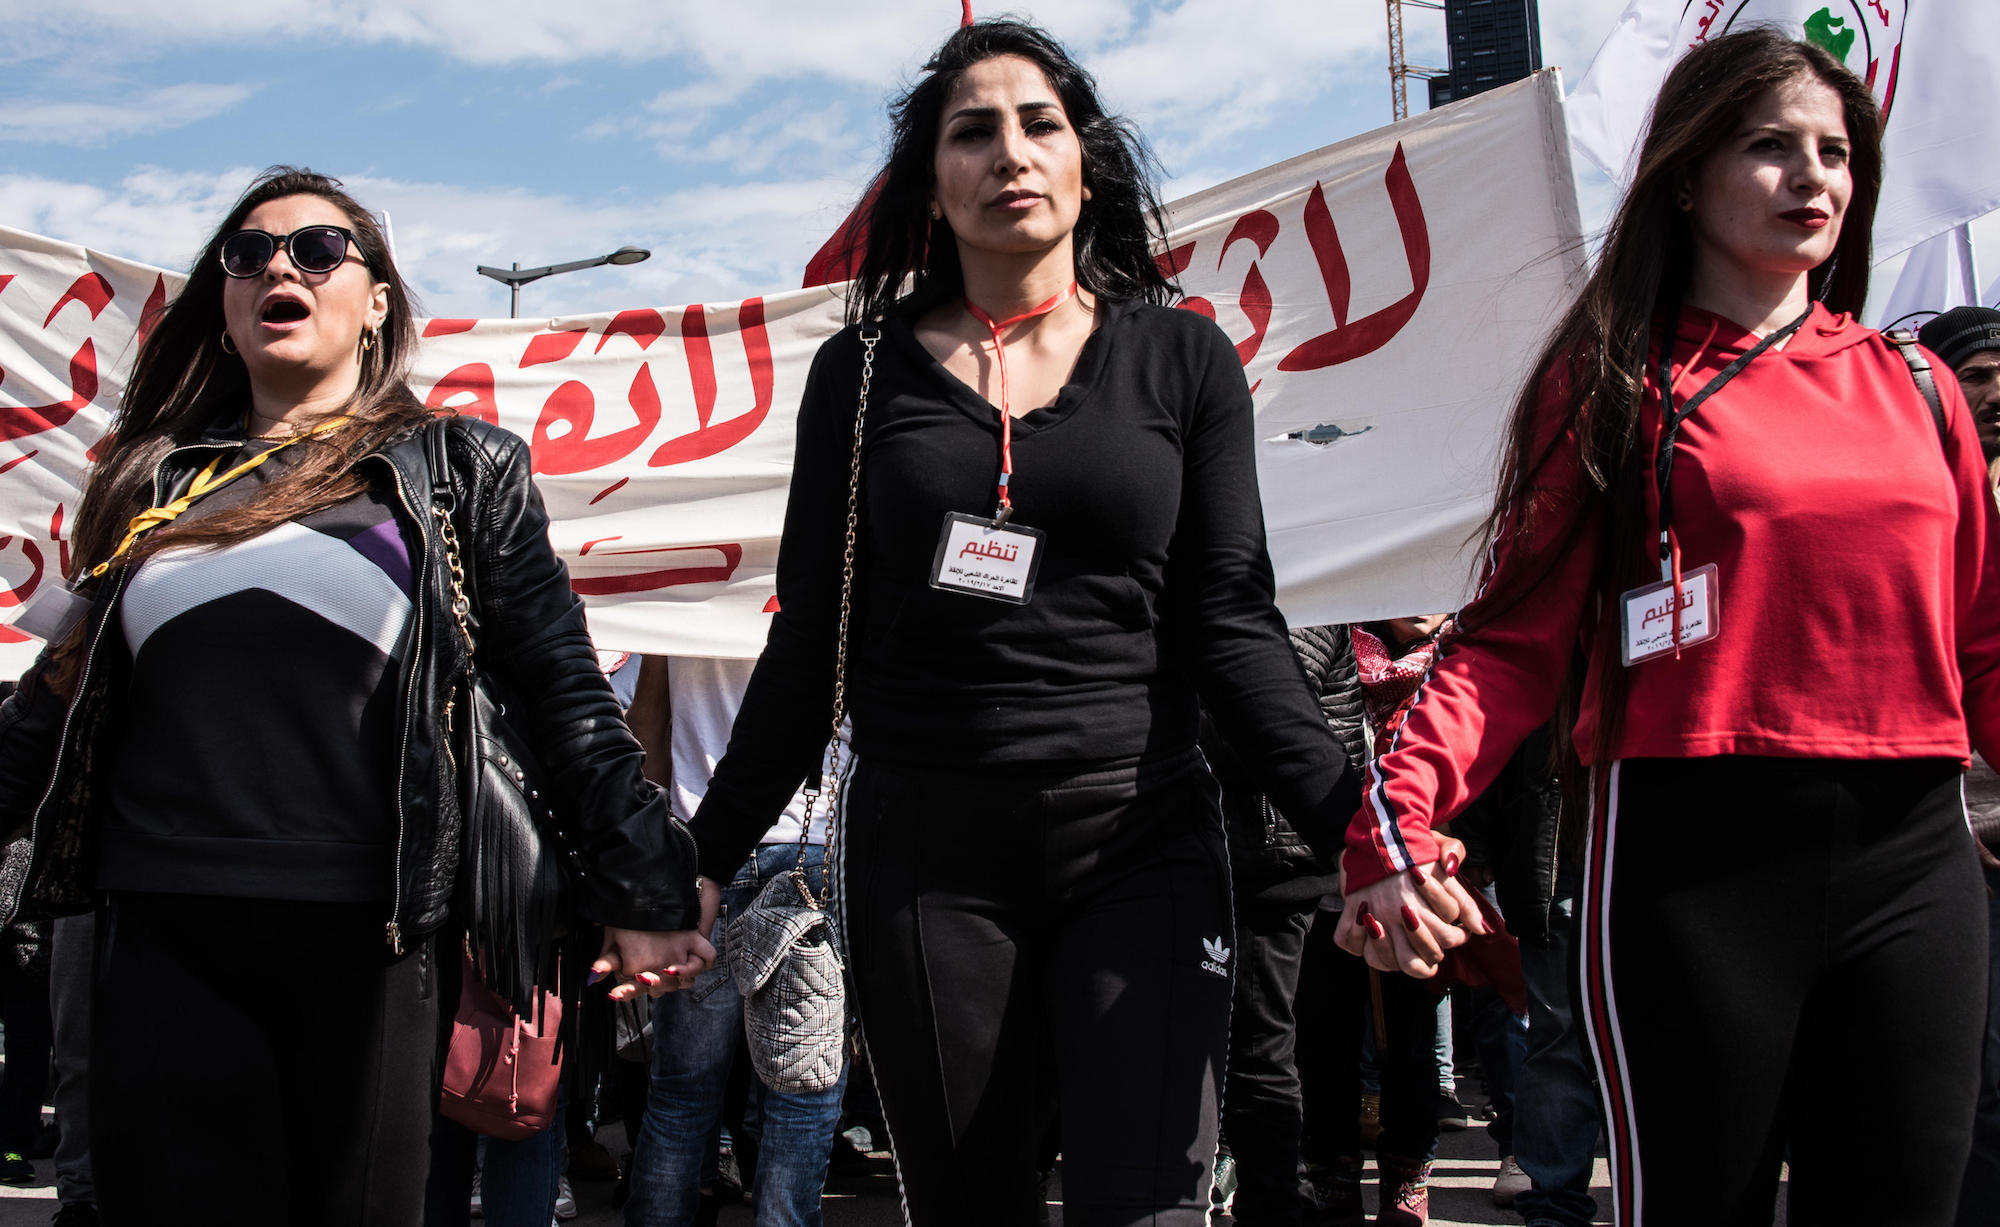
{"x": 1155, "y": 583}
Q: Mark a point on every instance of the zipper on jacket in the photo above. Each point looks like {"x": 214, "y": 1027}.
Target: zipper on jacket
{"x": 62, "y": 744}
{"x": 83, "y": 679}
{"x": 1555, "y": 843}
{"x": 393, "y": 931}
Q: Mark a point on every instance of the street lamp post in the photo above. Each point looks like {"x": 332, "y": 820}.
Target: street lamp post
{"x": 516, "y": 277}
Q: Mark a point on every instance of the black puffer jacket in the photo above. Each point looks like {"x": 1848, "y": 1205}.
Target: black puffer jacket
{"x": 1516, "y": 829}
{"x": 636, "y": 863}
{"x": 1267, "y": 858}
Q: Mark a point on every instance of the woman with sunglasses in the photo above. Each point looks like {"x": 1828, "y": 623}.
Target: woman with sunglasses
{"x": 1034, "y": 887}
{"x": 242, "y": 746}
{"x": 1757, "y": 576}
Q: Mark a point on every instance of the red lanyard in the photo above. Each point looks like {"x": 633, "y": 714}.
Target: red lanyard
{"x": 1006, "y": 506}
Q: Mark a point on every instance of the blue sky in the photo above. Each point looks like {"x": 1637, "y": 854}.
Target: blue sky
{"x": 729, "y": 137}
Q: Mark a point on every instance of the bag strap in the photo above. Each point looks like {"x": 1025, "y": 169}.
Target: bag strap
{"x": 832, "y": 756}
{"x": 1905, "y": 342}
{"x": 443, "y": 502}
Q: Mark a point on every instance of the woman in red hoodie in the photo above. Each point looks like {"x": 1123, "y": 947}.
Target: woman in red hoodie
{"x": 1769, "y": 616}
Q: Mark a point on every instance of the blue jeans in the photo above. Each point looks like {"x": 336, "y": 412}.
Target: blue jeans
{"x": 695, "y": 1036}
{"x": 517, "y": 1179}
{"x": 1500, "y": 1036}
{"x": 1555, "y": 1099}
{"x": 1979, "y": 1197}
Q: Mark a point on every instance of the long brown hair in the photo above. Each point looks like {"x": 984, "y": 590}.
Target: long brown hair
{"x": 1115, "y": 231}
{"x": 183, "y": 382}
{"x": 1597, "y": 354}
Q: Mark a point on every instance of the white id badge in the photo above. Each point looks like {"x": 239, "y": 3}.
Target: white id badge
{"x": 51, "y": 612}
{"x": 980, "y": 558}
{"x": 1649, "y": 615}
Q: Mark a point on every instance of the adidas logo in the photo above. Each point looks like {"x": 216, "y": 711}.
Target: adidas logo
{"x": 1217, "y": 962}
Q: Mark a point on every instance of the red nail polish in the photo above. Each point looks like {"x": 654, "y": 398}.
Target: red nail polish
{"x": 1410, "y": 920}
{"x": 1451, "y": 864}
{"x": 1374, "y": 926}
{"x": 1418, "y": 877}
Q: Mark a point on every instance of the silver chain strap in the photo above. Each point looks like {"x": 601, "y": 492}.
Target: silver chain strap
{"x": 461, "y": 606}
{"x": 461, "y": 609}
{"x": 831, "y": 759}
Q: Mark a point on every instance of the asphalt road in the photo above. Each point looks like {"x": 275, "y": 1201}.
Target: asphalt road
{"x": 1460, "y": 1182}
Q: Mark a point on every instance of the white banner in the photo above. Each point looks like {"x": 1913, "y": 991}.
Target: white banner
{"x": 1940, "y": 273}
{"x": 1934, "y": 65}
{"x": 1384, "y": 293}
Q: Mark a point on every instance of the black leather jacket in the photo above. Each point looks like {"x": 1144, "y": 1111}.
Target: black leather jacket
{"x": 1268, "y": 858}
{"x": 635, "y": 863}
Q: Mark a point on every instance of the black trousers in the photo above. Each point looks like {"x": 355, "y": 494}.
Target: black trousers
{"x": 1262, "y": 1108}
{"x": 24, "y": 1005}
{"x": 1784, "y": 959}
{"x": 1336, "y": 1013}
{"x": 287, "y": 1028}
{"x": 1016, "y": 943}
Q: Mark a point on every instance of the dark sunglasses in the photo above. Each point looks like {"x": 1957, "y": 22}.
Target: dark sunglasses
{"x": 312, "y": 249}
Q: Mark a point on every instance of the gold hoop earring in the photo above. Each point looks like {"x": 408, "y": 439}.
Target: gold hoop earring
{"x": 228, "y": 346}
{"x": 368, "y": 338}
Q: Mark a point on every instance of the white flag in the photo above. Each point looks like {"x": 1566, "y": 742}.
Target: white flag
{"x": 1934, "y": 66}
{"x": 1940, "y": 274}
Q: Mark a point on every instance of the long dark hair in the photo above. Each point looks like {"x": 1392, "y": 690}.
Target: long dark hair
{"x": 183, "y": 382}
{"x": 1597, "y": 354}
{"x": 1114, "y": 232}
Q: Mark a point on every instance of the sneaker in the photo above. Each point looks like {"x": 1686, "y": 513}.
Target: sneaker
{"x": 1406, "y": 1194}
{"x": 75, "y": 1214}
{"x": 15, "y": 1169}
{"x": 1510, "y": 1183}
{"x": 1452, "y": 1115}
{"x": 478, "y": 1208}
{"x": 1223, "y": 1190}
{"x": 1371, "y": 1119}
{"x": 566, "y": 1200}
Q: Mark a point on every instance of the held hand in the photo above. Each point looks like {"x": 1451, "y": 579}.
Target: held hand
{"x": 711, "y": 904}
{"x": 653, "y": 963}
{"x": 1406, "y": 923}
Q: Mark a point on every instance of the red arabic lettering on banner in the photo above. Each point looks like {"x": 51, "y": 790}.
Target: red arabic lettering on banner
{"x": 1348, "y": 339}
{"x": 661, "y": 438}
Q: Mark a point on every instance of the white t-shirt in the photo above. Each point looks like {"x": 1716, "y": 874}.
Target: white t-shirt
{"x": 705, "y": 692}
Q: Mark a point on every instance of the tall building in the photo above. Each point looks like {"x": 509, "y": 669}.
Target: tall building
{"x": 1492, "y": 42}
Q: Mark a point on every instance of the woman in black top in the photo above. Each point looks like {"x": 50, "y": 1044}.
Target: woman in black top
{"x": 242, "y": 748}
{"x": 1035, "y": 891}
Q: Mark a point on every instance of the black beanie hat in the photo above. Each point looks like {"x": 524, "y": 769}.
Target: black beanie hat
{"x": 1960, "y": 333}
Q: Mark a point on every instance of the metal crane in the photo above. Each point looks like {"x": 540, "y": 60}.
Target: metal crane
{"x": 1400, "y": 70}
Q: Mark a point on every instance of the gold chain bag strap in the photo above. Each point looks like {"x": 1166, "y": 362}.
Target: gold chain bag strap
{"x": 515, "y": 882}
{"x": 503, "y": 1065}
{"x": 780, "y": 950}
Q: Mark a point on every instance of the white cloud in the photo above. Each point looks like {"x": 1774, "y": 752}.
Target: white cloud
{"x": 1216, "y": 67}
{"x": 745, "y": 38}
{"x": 81, "y": 122}
{"x": 154, "y": 216}
{"x": 782, "y": 92}
{"x": 712, "y": 244}
{"x": 1573, "y": 30}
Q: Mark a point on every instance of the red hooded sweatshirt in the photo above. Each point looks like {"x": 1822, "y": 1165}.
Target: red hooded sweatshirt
{"x": 1857, "y": 600}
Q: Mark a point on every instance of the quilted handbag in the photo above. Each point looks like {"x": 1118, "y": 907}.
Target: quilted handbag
{"x": 781, "y": 954}
{"x": 781, "y": 949}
